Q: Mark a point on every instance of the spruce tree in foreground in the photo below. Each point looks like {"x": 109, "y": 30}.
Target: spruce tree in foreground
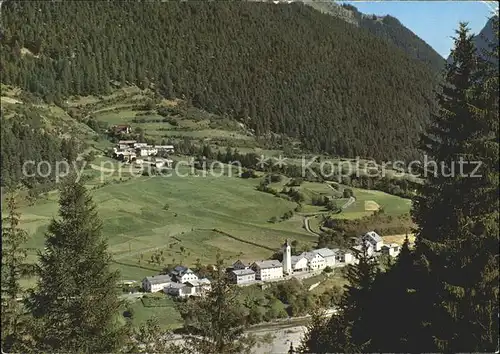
{"x": 348, "y": 331}
{"x": 457, "y": 213}
{"x": 75, "y": 303}
{"x": 13, "y": 268}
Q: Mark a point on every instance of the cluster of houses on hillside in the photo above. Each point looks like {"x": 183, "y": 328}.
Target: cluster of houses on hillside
{"x": 183, "y": 281}
{"x": 313, "y": 261}
{"x": 140, "y": 153}
{"x": 375, "y": 245}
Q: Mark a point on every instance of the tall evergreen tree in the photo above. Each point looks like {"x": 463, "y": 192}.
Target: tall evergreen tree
{"x": 348, "y": 331}
{"x": 457, "y": 213}
{"x": 75, "y": 303}
{"x": 213, "y": 322}
{"x": 13, "y": 268}
{"x": 395, "y": 289}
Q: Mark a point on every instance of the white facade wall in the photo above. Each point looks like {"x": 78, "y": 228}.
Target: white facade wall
{"x": 349, "y": 258}
{"x": 188, "y": 277}
{"x": 317, "y": 263}
{"x": 243, "y": 279}
{"x": 301, "y": 264}
{"x": 394, "y": 251}
{"x": 152, "y": 288}
{"x": 330, "y": 261}
{"x": 269, "y": 273}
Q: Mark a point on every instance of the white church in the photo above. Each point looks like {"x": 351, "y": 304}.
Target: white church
{"x": 271, "y": 270}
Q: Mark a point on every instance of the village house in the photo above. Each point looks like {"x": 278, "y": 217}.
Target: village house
{"x": 189, "y": 288}
{"x": 314, "y": 261}
{"x": 267, "y": 270}
{"x": 179, "y": 289}
{"x": 370, "y": 250}
{"x": 156, "y": 283}
{"x": 201, "y": 286}
{"x": 299, "y": 263}
{"x": 124, "y": 155}
{"x": 239, "y": 265}
{"x": 344, "y": 257}
{"x": 181, "y": 274}
{"x": 140, "y": 145}
{"x": 146, "y": 151}
{"x": 392, "y": 249}
{"x": 166, "y": 148}
{"x": 375, "y": 239}
{"x": 242, "y": 276}
{"x": 328, "y": 255}
{"x": 129, "y": 143}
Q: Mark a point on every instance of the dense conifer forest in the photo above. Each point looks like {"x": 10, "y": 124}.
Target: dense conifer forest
{"x": 282, "y": 68}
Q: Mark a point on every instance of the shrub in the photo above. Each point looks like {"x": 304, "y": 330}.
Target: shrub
{"x": 348, "y": 193}
{"x": 328, "y": 269}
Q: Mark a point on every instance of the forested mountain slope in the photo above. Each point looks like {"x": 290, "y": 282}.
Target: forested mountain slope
{"x": 282, "y": 68}
{"x": 386, "y": 27}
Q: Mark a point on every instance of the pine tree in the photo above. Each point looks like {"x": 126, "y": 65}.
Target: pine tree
{"x": 348, "y": 331}
{"x": 213, "y": 322}
{"x": 457, "y": 214}
{"x": 396, "y": 288}
{"x": 13, "y": 268}
{"x": 75, "y": 303}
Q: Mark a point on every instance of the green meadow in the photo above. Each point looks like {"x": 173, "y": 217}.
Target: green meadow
{"x": 176, "y": 217}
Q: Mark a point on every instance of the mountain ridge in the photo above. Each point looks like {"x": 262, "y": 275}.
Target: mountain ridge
{"x": 386, "y": 27}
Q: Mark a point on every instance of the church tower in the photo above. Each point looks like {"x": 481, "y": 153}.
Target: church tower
{"x": 287, "y": 258}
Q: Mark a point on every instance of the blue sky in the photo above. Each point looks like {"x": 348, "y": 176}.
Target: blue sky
{"x": 433, "y": 21}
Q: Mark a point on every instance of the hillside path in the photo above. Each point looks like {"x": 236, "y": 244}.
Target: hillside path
{"x": 307, "y": 227}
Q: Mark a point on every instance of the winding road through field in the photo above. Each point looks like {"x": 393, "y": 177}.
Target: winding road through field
{"x": 307, "y": 227}
{"x": 347, "y": 204}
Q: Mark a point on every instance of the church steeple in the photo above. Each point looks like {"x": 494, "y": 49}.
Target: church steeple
{"x": 287, "y": 258}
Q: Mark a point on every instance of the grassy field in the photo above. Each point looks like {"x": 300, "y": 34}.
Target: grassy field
{"x": 399, "y": 239}
{"x": 168, "y": 316}
{"x": 137, "y": 224}
{"x": 366, "y": 199}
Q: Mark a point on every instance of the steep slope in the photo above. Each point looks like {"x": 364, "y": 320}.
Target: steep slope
{"x": 282, "y": 68}
{"x": 486, "y": 36}
{"x": 386, "y": 27}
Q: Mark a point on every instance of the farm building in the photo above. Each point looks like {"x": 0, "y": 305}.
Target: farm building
{"x": 392, "y": 249}
{"x": 375, "y": 239}
{"x": 328, "y": 255}
{"x": 183, "y": 274}
{"x": 268, "y": 270}
{"x": 242, "y": 276}
{"x": 156, "y": 283}
{"x": 299, "y": 263}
